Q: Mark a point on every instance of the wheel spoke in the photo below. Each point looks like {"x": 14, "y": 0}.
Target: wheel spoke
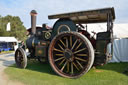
{"x": 61, "y": 47}
{"x": 63, "y": 66}
{"x": 59, "y": 59}
{"x": 74, "y": 44}
{"x": 59, "y": 54}
{"x": 67, "y": 66}
{"x": 19, "y": 58}
{"x": 81, "y": 54}
{"x": 62, "y": 43}
{"x": 62, "y": 61}
{"x": 22, "y": 62}
{"x": 79, "y": 50}
{"x": 71, "y": 68}
{"x": 58, "y": 50}
{"x": 79, "y": 64}
{"x": 79, "y": 45}
{"x": 67, "y": 42}
{"x": 71, "y": 41}
{"x": 76, "y": 66}
{"x": 80, "y": 59}
{"x": 18, "y": 53}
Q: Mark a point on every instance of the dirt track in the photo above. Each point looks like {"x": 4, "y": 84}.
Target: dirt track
{"x": 5, "y": 61}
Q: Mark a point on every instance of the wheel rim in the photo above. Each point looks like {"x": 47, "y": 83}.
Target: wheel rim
{"x": 69, "y": 55}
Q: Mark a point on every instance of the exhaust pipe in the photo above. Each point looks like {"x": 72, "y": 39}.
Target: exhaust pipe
{"x": 33, "y": 14}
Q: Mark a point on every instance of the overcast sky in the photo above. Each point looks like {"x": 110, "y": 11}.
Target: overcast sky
{"x": 44, "y": 8}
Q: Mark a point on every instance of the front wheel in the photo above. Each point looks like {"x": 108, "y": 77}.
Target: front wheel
{"x": 71, "y": 54}
{"x": 21, "y": 58}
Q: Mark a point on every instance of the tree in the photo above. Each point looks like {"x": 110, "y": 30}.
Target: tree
{"x": 17, "y": 28}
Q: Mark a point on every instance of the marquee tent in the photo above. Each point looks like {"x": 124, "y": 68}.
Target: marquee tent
{"x": 8, "y": 40}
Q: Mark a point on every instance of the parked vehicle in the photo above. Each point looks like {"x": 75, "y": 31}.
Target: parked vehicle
{"x": 68, "y": 46}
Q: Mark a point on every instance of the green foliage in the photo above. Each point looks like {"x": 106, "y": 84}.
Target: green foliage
{"x": 17, "y": 28}
{"x": 42, "y": 74}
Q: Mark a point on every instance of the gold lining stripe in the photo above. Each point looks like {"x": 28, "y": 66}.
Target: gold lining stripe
{"x": 33, "y": 42}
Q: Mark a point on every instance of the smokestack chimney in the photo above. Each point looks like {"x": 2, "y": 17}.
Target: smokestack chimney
{"x": 33, "y": 14}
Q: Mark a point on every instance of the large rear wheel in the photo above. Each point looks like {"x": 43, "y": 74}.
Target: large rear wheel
{"x": 71, "y": 54}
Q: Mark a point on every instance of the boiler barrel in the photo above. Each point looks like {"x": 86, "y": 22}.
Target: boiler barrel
{"x": 31, "y": 42}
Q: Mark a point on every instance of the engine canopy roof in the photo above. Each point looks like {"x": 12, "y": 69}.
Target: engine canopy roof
{"x": 89, "y": 16}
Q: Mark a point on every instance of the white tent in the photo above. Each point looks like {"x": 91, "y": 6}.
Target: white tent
{"x": 9, "y": 39}
{"x": 120, "y": 45}
{"x": 120, "y": 50}
{"x": 120, "y": 30}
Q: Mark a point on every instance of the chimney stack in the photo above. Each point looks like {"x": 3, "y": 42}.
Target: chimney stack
{"x": 33, "y": 14}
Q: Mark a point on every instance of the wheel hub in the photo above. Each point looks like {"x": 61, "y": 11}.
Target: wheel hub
{"x": 68, "y": 55}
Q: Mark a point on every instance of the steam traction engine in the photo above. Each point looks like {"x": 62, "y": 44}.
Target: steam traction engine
{"x": 69, "y": 48}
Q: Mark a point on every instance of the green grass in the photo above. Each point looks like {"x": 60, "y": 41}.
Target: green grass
{"x": 42, "y": 74}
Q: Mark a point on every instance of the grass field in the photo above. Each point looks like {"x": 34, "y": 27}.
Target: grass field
{"x": 42, "y": 74}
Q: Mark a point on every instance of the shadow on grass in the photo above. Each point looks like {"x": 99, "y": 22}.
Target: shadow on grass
{"x": 39, "y": 67}
{"x": 118, "y": 67}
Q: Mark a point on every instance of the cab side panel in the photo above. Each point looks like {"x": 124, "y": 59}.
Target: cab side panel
{"x": 103, "y": 38}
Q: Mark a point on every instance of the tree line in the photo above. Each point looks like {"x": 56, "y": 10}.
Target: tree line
{"x": 18, "y": 30}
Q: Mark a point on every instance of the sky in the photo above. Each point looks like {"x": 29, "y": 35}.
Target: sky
{"x": 44, "y": 8}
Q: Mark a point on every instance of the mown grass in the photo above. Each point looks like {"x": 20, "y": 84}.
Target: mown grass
{"x": 42, "y": 74}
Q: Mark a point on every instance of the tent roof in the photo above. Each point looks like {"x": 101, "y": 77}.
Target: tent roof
{"x": 8, "y": 39}
{"x": 121, "y": 30}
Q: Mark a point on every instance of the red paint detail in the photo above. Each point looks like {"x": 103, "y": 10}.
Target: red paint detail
{"x": 92, "y": 40}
